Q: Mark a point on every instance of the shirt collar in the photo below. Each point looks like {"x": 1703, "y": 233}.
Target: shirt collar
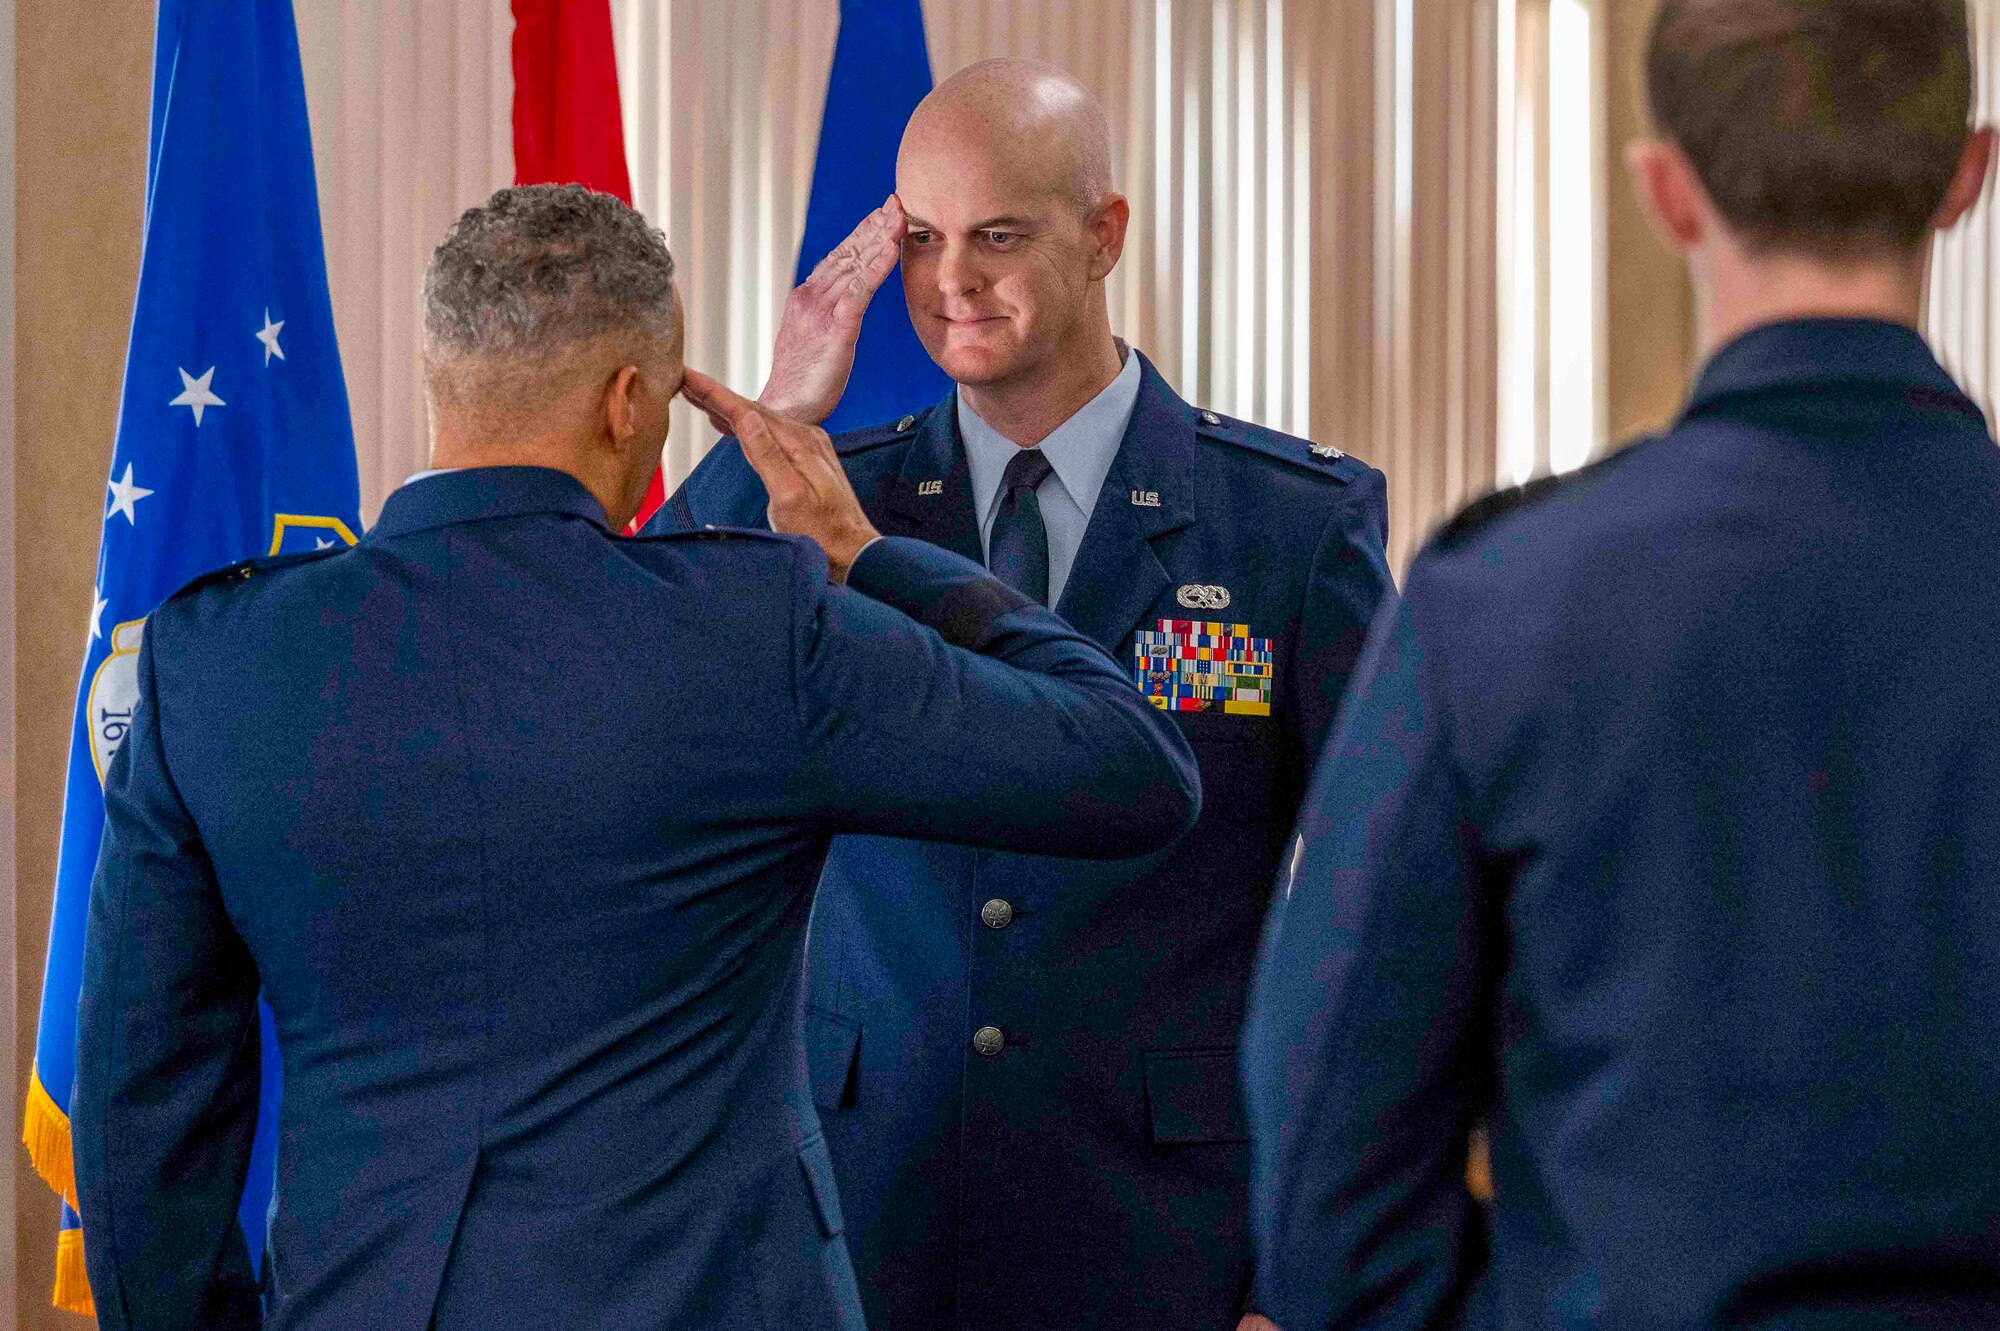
{"x": 1820, "y": 353}
{"x": 426, "y": 475}
{"x": 1080, "y": 450}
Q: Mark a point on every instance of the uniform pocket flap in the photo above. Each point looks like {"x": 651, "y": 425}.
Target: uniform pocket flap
{"x": 831, "y": 1046}
{"x": 1191, "y": 1096}
{"x": 818, "y": 1167}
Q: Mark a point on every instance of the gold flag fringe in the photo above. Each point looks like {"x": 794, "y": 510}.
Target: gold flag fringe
{"x": 72, "y": 1285}
{"x": 46, "y": 1135}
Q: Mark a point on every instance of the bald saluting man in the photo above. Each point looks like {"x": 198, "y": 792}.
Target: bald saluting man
{"x": 1026, "y": 1065}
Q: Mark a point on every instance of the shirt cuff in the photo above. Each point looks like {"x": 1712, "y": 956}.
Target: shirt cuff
{"x": 860, "y": 555}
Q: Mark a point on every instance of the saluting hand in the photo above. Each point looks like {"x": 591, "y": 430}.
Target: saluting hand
{"x": 810, "y": 494}
{"x": 822, "y": 321}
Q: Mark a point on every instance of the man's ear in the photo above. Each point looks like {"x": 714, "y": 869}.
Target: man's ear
{"x": 1669, "y": 191}
{"x": 1975, "y": 163}
{"x": 1107, "y": 225}
{"x": 621, "y": 407}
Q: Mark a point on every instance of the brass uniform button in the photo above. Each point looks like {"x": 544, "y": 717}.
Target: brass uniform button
{"x": 996, "y": 914}
{"x": 988, "y": 1041}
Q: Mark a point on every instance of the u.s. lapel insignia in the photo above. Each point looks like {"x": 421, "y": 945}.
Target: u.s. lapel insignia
{"x": 1192, "y": 665}
{"x": 1145, "y": 499}
{"x": 1327, "y": 451}
{"x": 929, "y": 489}
{"x": 1203, "y": 596}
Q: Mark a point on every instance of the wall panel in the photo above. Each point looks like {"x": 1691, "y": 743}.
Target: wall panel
{"x": 79, "y": 190}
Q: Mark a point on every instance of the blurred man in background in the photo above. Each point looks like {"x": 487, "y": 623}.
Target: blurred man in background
{"x": 1661, "y": 825}
{"x": 517, "y": 827}
{"x": 1026, "y": 1065}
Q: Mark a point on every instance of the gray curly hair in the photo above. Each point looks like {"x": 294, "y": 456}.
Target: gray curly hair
{"x": 539, "y": 268}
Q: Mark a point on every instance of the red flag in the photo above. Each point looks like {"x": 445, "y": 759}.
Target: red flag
{"x": 568, "y": 127}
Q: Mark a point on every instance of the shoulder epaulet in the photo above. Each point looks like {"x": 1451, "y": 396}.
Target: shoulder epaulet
{"x": 710, "y": 532}
{"x": 250, "y": 568}
{"x": 1488, "y": 508}
{"x": 1320, "y": 459}
{"x": 1483, "y": 512}
{"x": 874, "y": 436}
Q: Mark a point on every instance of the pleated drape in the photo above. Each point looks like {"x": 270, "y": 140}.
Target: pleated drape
{"x": 1313, "y": 189}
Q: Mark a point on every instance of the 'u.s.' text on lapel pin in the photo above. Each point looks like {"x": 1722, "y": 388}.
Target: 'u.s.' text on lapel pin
{"x": 929, "y": 489}
{"x": 1203, "y": 596}
{"x": 1145, "y": 499}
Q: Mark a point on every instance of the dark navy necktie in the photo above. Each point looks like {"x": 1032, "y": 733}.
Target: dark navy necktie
{"x": 1018, "y": 550}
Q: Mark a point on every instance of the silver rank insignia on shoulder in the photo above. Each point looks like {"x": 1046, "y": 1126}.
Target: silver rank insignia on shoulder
{"x": 1145, "y": 499}
{"x": 929, "y": 489}
{"x": 1203, "y": 596}
{"x": 1327, "y": 451}
{"x": 1211, "y": 418}
{"x": 905, "y": 423}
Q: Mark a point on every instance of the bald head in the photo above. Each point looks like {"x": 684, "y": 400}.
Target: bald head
{"x": 1029, "y": 119}
{"x": 1005, "y": 179}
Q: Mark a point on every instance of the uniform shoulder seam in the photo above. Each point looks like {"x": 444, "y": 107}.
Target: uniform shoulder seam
{"x": 244, "y": 570}
{"x": 875, "y": 436}
{"x": 1315, "y": 459}
{"x": 1483, "y": 512}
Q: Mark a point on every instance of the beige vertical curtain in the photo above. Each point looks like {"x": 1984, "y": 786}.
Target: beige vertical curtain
{"x": 1962, "y": 321}
{"x": 1313, "y": 189}
{"x": 411, "y": 104}
{"x": 722, "y": 102}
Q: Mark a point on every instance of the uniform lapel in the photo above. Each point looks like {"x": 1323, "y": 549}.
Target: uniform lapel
{"x": 931, "y": 496}
{"x": 1148, "y": 493}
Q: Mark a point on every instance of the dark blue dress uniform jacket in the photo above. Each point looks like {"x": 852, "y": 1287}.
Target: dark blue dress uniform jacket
{"x": 518, "y": 827}
{"x": 1664, "y": 827}
{"x": 1092, "y": 1170}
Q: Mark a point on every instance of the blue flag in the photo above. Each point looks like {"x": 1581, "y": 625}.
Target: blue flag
{"x": 881, "y": 70}
{"x": 234, "y": 441}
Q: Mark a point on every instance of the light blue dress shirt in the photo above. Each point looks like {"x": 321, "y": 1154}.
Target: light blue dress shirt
{"x": 1080, "y": 451}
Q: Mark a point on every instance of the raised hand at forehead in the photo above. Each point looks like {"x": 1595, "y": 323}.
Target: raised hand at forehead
{"x": 814, "y": 354}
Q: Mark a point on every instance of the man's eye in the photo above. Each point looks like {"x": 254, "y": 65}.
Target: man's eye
{"x": 919, "y": 238}
{"x": 1001, "y": 237}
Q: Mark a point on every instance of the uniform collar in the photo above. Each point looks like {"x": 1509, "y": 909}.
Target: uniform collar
{"x": 1815, "y": 354}
{"x": 446, "y": 498}
{"x": 1147, "y": 494}
{"x": 1080, "y": 450}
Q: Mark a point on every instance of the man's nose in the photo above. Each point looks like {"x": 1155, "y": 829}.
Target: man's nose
{"x": 957, "y": 271}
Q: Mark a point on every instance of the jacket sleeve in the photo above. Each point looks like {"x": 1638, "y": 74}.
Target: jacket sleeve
{"x": 165, "y": 1102}
{"x": 938, "y": 703}
{"x": 1345, "y": 589}
{"x": 722, "y": 491}
{"x": 1368, "y": 1053}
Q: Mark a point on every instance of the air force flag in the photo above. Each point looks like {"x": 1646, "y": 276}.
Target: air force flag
{"x": 881, "y": 70}
{"x": 233, "y": 442}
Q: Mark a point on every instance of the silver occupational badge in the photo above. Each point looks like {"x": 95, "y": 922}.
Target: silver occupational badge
{"x": 1198, "y": 596}
{"x": 1327, "y": 451}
